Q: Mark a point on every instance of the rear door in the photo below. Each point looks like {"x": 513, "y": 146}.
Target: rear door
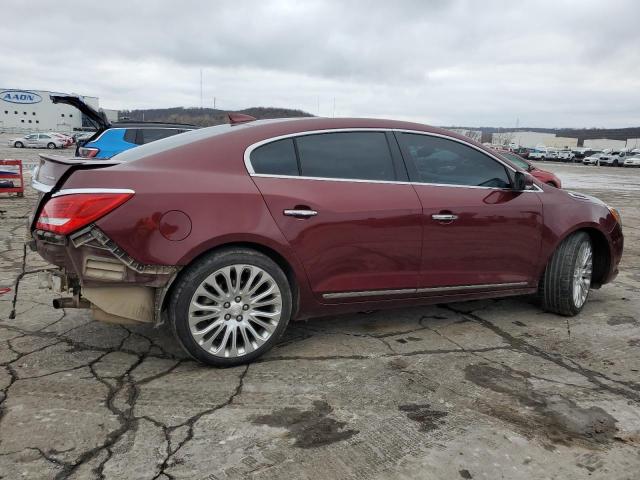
{"x": 31, "y": 140}
{"x": 478, "y": 233}
{"x": 343, "y": 201}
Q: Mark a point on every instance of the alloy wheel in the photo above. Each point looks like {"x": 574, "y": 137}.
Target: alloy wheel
{"x": 582, "y": 274}
{"x": 235, "y": 310}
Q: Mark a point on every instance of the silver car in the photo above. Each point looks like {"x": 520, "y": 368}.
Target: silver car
{"x": 37, "y": 140}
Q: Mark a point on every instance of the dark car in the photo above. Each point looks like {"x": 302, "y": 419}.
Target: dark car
{"x": 230, "y": 232}
{"x": 113, "y": 138}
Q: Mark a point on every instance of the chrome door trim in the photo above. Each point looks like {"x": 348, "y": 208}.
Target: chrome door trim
{"x": 368, "y": 293}
{"x": 472, "y": 287}
{"x": 405, "y": 291}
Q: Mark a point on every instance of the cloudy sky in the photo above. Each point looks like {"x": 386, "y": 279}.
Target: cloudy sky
{"x": 445, "y": 62}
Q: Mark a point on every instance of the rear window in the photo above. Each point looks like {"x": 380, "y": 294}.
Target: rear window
{"x": 349, "y": 155}
{"x": 275, "y": 158}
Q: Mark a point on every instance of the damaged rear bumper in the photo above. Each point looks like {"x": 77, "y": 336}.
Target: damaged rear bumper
{"x": 101, "y": 276}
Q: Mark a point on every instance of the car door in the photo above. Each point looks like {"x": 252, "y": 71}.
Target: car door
{"x": 31, "y": 140}
{"x": 478, "y": 233}
{"x": 344, "y": 203}
{"x": 43, "y": 140}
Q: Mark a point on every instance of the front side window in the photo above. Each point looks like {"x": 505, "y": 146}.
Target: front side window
{"x": 447, "y": 162}
{"x": 275, "y": 158}
{"x": 44, "y": 136}
{"x": 348, "y": 155}
{"x": 515, "y": 159}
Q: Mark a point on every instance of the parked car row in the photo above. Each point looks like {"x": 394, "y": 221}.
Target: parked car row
{"x": 586, "y": 156}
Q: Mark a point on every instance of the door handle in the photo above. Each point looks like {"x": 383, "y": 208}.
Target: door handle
{"x": 442, "y": 217}
{"x": 300, "y": 213}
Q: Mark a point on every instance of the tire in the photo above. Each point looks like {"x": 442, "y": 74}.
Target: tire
{"x": 204, "y": 287}
{"x": 51, "y": 146}
{"x": 18, "y": 145}
{"x": 551, "y": 184}
{"x": 571, "y": 262}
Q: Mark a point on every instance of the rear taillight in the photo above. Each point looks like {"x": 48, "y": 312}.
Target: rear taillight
{"x": 68, "y": 213}
{"x": 88, "y": 152}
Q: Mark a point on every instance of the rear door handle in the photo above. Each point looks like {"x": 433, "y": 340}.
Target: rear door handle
{"x": 300, "y": 213}
{"x": 442, "y": 217}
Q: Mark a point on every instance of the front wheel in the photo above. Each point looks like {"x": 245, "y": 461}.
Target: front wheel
{"x": 18, "y": 144}
{"x": 565, "y": 284}
{"x": 230, "y": 307}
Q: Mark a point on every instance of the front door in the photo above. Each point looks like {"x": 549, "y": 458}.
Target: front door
{"x": 343, "y": 202}
{"x": 477, "y": 230}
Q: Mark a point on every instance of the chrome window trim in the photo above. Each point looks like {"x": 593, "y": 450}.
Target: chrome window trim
{"x": 72, "y": 191}
{"x": 252, "y": 147}
{"x": 373, "y": 293}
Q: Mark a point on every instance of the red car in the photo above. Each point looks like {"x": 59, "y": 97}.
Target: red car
{"x": 230, "y": 232}
{"x": 543, "y": 175}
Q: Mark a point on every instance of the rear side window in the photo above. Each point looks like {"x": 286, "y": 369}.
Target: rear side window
{"x": 147, "y": 135}
{"x": 275, "y": 158}
{"x": 442, "y": 161}
{"x": 130, "y": 135}
{"x": 349, "y": 155}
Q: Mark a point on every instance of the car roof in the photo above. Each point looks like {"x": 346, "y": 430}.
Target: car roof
{"x": 254, "y": 131}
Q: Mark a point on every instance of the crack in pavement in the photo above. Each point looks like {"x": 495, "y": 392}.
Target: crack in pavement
{"x": 629, "y": 391}
{"x": 190, "y": 422}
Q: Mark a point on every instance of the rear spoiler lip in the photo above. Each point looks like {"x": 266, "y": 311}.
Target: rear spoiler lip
{"x": 77, "y": 160}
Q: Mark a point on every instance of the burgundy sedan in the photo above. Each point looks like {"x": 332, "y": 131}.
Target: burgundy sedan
{"x": 230, "y": 232}
{"x": 543, "y": 175}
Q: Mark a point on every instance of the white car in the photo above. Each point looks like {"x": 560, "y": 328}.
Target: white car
{"x": 37, "y": 140}
{"x": 614, "y": 158}
{"x": 632, "y": 161}
{"x": 595, "y": 159}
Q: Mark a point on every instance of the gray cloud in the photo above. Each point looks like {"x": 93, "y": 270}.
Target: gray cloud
{"x": 546, "y": 63}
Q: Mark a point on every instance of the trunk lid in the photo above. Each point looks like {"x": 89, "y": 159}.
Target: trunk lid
{"x": 53, "y": 170}
{"x": 99, "y": 119}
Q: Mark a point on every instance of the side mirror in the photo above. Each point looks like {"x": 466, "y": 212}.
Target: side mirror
{"x": 522, "y": 181}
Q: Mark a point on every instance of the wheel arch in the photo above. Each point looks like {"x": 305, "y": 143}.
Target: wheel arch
{"x": 601, "y": 252}
{"x": 270, "y": 252}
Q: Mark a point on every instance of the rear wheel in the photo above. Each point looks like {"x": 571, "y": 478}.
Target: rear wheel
{"x": 230, "y": 307}
{"x": 51, "y": 146}
{"x": 564, "y": 287}
{"x": 18, "y": 144}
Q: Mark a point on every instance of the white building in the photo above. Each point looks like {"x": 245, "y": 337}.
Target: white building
{"x": 603, "y": 143}
{"x": 33, "y": 111}
{"x": 533, "y": 139}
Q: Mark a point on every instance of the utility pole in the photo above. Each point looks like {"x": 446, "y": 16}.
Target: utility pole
{"x": 318, "y": 105}
{"x": 334, "y": 107}
{"x": 201, "y": 104}
{"x": 214, "y": 103}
